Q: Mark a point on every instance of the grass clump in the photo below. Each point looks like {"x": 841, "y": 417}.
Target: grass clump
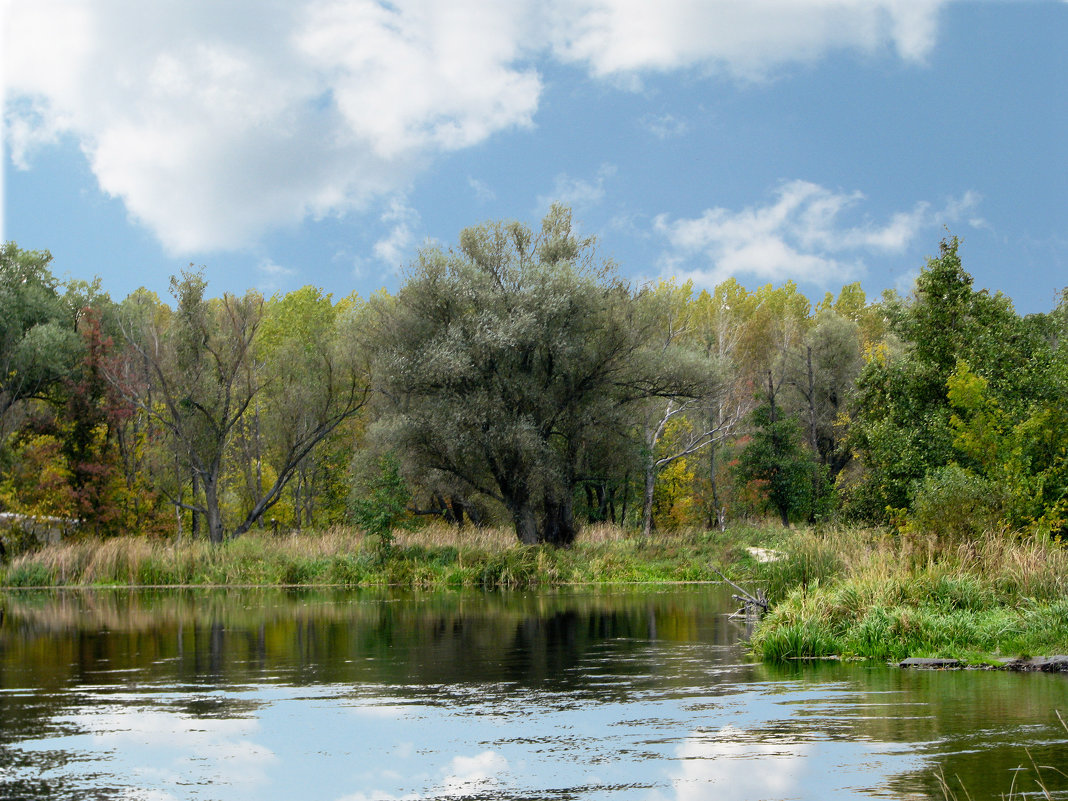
{"x": 882, "y": 597}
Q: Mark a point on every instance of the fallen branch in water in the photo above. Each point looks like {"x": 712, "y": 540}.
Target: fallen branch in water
{"x": 750, "y": 603}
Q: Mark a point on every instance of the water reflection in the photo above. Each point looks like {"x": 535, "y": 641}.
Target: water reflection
{"x": 585, "y": 694}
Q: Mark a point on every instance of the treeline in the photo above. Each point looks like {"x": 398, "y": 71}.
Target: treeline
{"x": 518, "y": 379}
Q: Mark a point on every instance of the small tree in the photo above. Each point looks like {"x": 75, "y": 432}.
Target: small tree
{"x": 776, "y": 457}
{"x": 382, "y": 506}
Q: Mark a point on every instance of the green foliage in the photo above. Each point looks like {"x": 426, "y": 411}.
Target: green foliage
{"x": 31, "y": 574}
{"x": 243, "y": 393}
{"x": 512, "y": 363}
{"x": 991, "y": 596}
{"x": 903, "y": 416}
{"x": 39, "y": 346}
{"x": 382, "y": 506}
{"x": 953, "y": 502}
{"x": 1023, "y": 460}
{"x": 776, "y": 458}
{"x": 805, "y": 640}
{"x": 804, "y": 561}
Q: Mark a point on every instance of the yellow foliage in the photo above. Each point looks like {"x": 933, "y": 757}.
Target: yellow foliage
{"x": 876, "y": 352}
{"x": 674, "y": 500}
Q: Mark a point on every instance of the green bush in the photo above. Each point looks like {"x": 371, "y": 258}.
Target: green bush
{"x": 381, "y": 506}
{"x": 954, "y": 502}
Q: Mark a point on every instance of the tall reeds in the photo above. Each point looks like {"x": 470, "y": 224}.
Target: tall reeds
{"x": 436, "y": 555}
{"x": 889, "y": 597}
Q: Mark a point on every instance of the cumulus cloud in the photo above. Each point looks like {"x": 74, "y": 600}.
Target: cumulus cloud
{"x": 721, "y": 764}
{"x": 744, "y": 38}
{"x": 215, "y": 123}
{"x": 464, "y": 776}
{"x": 578, "y": 193}
{"x": 395, "y": 248}
{"x": 483, "y": 191}
{"x": 162, "y": 748}
{"x": 801, "y": 234}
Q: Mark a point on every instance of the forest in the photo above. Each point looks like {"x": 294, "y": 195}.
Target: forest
{"x": 517, "y": 379}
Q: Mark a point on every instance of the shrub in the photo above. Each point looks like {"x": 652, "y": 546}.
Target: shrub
{"x": 383, "y": 505}
{"x": 954, "y": 502}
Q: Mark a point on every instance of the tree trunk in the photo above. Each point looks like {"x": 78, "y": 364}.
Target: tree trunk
{"x": 558, "y": 524}
{"x": 526, "y": 527}
{"x": 783, "y": 512}
{"x": 647, "y": 501}
{"x": 714, "y": 515}
{"x": 456, "y": 505}
{"x": 194, "y": 524}
{"x": 214, "y": 513}
{"x": 602, "y": 502}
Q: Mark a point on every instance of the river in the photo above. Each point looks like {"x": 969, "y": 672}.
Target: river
{"x": 581, "y": 694}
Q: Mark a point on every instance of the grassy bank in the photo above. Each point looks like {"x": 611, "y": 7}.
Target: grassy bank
{"x": 854, "y": 593}
{"x": 849, "y": 592}
{"x": 437, "y": 556}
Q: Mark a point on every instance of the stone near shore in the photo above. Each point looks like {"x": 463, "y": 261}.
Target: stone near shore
{"x": 1034, "y": 664}
{"x": 930, "y": 664}
{"x": 1045, "y": 664}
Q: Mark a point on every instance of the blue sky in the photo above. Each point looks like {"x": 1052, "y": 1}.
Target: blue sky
{"x": 323, "y": 142}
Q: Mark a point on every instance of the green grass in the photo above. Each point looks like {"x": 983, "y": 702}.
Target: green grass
{"x": 885, "y": 598}
{"x": 437, "y": 556}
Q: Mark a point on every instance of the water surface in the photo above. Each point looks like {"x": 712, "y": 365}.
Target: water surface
{"x": 579, "y": 694}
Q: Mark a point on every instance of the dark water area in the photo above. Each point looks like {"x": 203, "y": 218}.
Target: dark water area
{"x": 577, "y": 694}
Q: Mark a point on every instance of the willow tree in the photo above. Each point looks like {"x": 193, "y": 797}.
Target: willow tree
{"x": 508, "y": 360}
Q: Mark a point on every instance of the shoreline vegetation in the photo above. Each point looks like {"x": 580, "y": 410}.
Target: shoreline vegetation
{"x": 838, "y": 592}
{"x": 925, "y": 438}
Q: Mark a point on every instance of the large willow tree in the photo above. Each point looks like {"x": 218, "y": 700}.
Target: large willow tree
{"x": 510, "y": 365}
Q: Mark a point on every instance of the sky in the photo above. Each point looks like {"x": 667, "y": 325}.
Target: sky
{"x": 280, "y": 143}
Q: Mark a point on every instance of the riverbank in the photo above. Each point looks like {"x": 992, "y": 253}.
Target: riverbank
{"x": 842, "y": 592}
{"x": 892, "y": 597}
{"x": 434, "y": 556}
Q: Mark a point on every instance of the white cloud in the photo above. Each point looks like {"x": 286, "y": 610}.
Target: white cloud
{"x": 215, "y": 123}
{"x": 802, "y": 235}
{"x": 483, "y": 191}
{"x": 272, "y": 269}
{"x": 418, "y": 74}
{"x": 578, "y": 193}
{"x": 379, "y": 795}
{"x": 665, "y": 126}
{"x": 162, "y": 747}
{"x": 462, "y": 776}
{"x": 147, "y": 795}
{"x": 723, "y": 764}
{"x": 395, "y": 248}
{"x": 744, "y": 38}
